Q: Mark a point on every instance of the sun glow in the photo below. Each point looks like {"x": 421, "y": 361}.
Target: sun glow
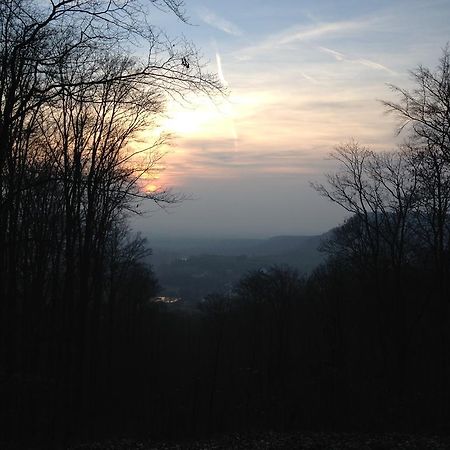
{"x": 151, "y": 188}
{"x": 203, "y": 119}
{"x": 214, "y": 138}
{"x": 150, "y": 182}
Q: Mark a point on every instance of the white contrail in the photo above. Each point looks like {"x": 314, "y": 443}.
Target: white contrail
{"x": 229, "y": 110}
{"x": 219, "y": 69}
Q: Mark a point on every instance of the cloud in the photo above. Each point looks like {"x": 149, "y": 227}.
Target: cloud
{"x": 215, "y": 158}
{"x": 338, "y": 56}
{"x": 320, "y": 30}
{"x": 215, "y": 21}
{"x": 374, "y": 65}
{"x": 309, "y": 78}
{"x": 302, "y": 33}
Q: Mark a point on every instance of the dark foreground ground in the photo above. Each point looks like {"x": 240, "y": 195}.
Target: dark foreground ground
{"x": 272, "y": 440}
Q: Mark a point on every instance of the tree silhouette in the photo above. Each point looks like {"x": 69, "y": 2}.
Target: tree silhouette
{"x": 74, "y": 96}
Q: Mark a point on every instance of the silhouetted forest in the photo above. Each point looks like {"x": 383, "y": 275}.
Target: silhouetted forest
{"x": 362, "y": 343}
{"x": 80, "y": 82}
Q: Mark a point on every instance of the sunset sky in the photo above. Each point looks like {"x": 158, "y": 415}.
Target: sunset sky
{"x": 303, "y": 76}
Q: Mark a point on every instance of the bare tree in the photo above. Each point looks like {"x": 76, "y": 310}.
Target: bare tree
{"x": 380, "y": 190}
{"x": 76, "y": 89}
{"x": 424, "y": 111}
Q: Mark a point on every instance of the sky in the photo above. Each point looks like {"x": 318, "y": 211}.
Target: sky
{"x": 303, "y": 77}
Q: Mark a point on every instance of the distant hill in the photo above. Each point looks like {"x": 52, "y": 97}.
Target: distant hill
{"x": 277, "y": 245}
{"x": 193, "y": 268}
{"x": 281, "y": 244}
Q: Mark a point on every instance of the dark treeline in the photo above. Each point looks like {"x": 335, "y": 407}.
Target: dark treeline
{"x": 363, "y": 343}
{"x": 74, "y": 101}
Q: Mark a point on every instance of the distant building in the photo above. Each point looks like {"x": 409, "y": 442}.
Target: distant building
{"x": 166, "y": 300}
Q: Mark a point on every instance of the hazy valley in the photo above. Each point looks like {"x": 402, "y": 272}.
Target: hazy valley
{"x": 190, "y": 269}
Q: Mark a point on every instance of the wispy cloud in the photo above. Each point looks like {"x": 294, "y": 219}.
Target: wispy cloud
{"x": 375, "y": 65}
{"x": 309, "y": 78}
{"x": 216, "y": 159}
{"x": 220, "y": 23}
{"x": 322, "y": 29}
{"x": 338, "y": 56}
{"x": 309, "y": 33}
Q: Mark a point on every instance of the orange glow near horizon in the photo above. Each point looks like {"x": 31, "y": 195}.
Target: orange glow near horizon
{"x": 151, "y": 188}
{"x": 265, "y": 129}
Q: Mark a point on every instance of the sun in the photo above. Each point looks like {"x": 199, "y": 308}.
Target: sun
{"x": 203, "y": 120}
{"x": 151, "y": 188}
